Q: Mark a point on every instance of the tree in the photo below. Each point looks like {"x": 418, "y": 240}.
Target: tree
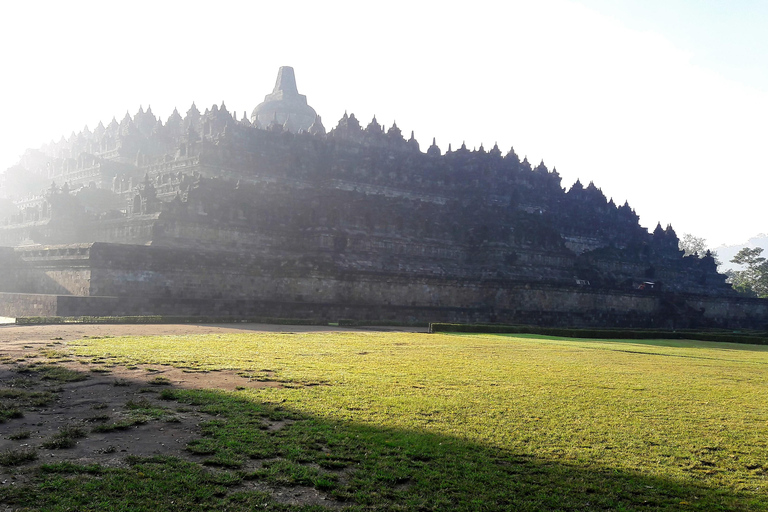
{"x": 696, "y": 246}
{"x": 753, "y": 280}
{"x": 693, "y": 245}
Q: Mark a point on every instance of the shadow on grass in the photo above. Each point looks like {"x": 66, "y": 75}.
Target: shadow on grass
{"x": 354, "y": 466}
{"x": 682, "y": 343}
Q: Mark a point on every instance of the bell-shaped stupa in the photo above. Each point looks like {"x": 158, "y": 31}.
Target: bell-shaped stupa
{"x": 284, "y": 106}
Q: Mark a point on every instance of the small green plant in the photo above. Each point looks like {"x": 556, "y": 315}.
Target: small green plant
{"x": 54, "y": 372}
{"x": 139, "y": 412}
{"x": 9, "y": 413}
{"x": 14, "y": 400}
{"x": 124, "y": 424}
{"x": 98, "y": 418}
{"x": 54, "y": 354}
{"x": 65, "y": 438}
{"x": 160, "y": 381}
{"x": 17, "y": 457}
{"x": 203, "y": 446}
{"x": 19, "y": 435}
{"x": 168, "y": 394}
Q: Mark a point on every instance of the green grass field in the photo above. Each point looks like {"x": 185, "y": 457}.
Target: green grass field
{"x": 402, "y": 421}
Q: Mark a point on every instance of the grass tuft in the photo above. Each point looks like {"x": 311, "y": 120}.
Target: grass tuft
{"x": 19, "y": 435}
{"x": 65, "y": 438}
{"x": 54, "y": 372}
{"x": 10, "y": 458}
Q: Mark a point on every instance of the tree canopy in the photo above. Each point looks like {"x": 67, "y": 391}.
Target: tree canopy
{"x": 693, "y": 245}
{"x": 753, "y": 280}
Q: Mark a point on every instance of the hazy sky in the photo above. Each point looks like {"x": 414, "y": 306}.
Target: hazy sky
{"x": 660, "y": 102}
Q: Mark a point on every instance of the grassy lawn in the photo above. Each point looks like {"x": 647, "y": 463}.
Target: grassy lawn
{"x": 401, "y": 421}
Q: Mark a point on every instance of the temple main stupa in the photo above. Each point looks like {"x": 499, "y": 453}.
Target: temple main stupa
{"x": 284, "y": 106}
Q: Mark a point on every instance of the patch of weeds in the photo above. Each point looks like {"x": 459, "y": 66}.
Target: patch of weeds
{"x": 20, "y": 382}
{"x": 100, "y": 370}
{"x": 168, "y": 394}
{"x": 333, "y": 464}
{"x": 225, "y": 478}
{"x": 140, "y": 412}
{"x": 202, "y": 446}
{"x": 121, "y": 382}
{"x": 120, "y": 425}
{"x": 65, "y": 438}
{"x": 147, "y": 390}
{"x": 57, "y": 338}
{"x": 54, "y": 354}
{"x": 224, "y": 460}
{"x": 144, "y": 406}
{"x": 71, "y": 468}
{"x": 160, "y": 381}
{"x": 132, "y": 367}
{"x": 10, "y": 413}
{"x": 286, "y": 472}
{"x": 261, "y": 376}
{"x": 162, "y": 484}
{"x": 19, "y": 435}
{"x": 98, "y": 418}
{"x": 325, "y": 484}
{"x": 17, "y": 457}
{"x": 54, "y": 372}
{"x": 13, "y": 401}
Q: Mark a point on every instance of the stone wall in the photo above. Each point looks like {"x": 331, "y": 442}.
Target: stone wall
{"x": 114, "y": 279}
{"x": 27, "y": 304}
{"x": 750, "y": 313}
{"x": 59, "y": 270}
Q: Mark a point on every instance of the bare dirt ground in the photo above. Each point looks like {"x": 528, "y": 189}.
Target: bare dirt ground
{"x": 103, "y": 397}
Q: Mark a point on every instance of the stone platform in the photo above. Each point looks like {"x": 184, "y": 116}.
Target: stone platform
{"x": 102, "y": 279}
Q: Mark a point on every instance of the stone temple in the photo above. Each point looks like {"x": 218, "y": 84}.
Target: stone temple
{"x": 215, "y": 214}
